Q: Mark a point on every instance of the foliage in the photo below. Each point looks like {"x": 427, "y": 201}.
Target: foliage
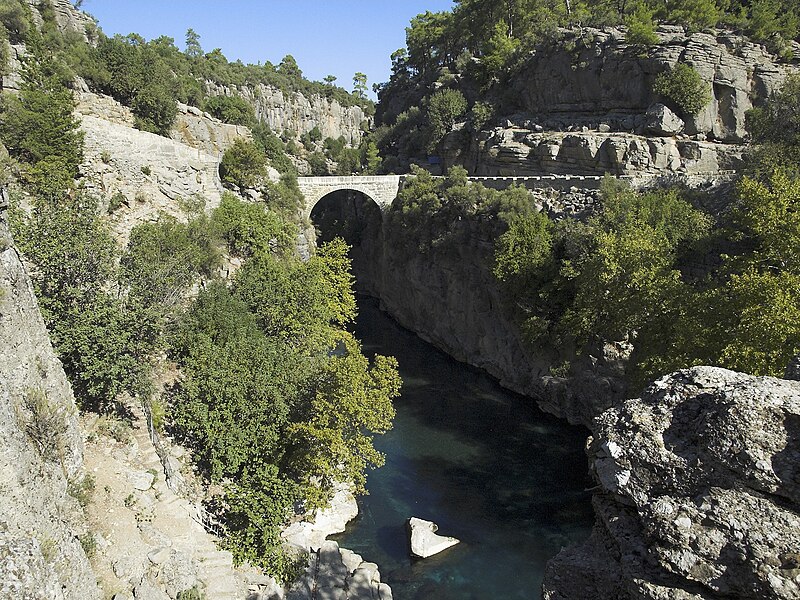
{"x": 684, "y": 88}
{"x": 302, "y": 303}
{"x": 243, "y": 165}
{"x": 237, "y": 387}
{"x": 273, "y": 148}
{"x": 257, "y": 506}
{"x": 249, "y": 229}
{"x": 352, "y": 401}
{"x": 230, "y": 109}
{"x": 444, "y": 108}
{"x": 38, "y": 126}
{"x": 45, "y": 423}
{"x": 163, "y": 259}
{"x": 641, "y": 26}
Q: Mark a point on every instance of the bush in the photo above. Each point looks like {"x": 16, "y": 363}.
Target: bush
{"x": 683, "y": 87}
{"x": 243, "y": 165}
{"x": 444, "y": 108}
{"x": 230, "y": 109}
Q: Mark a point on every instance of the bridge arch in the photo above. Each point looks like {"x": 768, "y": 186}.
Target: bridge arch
{"x": 382, "y": 189}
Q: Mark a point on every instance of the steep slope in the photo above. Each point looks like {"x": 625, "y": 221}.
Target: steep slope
{"x": 41, "y": 454}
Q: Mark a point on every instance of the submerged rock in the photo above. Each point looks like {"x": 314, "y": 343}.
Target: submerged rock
{"x": 424, "y": 540}
{"x": 698, "y": 494}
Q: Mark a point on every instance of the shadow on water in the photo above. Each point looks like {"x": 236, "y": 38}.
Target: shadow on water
{"x": 482, "y": 462}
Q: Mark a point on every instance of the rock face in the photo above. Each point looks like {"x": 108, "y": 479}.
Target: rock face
{"x": 338, "y": 573}
{"x": 139, "y": 174}
{"x": 200, "y": 130}
{"x": 585, "y": 105}
{"x": 451, "y": 299}
{"x": 594, "y": 76}
{"x": 698, "y": 494}
{"x": 297, "y": 113}
{"x": 518, "y": 151}
{"x": 41, "y": 452}
{"x": 68, "y": 19}
{"x": 424, "y": 540}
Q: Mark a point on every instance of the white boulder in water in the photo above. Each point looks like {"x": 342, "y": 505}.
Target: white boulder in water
{"x": 424, "y": 541}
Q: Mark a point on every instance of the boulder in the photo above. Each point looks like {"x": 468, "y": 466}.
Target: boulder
{"x": 698, "y": 494}
{"x": 661, "y": 121}
{"x": 424, "y": 540}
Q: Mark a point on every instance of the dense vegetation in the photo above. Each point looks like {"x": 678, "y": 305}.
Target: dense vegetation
{"x": 650, "y": 268}
{"x": 275, "y": 398}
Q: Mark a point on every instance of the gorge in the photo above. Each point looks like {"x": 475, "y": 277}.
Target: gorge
{"x": 600, "y": 219}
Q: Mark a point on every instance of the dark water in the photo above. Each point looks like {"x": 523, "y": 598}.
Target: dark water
{"x": 483, "y": 463}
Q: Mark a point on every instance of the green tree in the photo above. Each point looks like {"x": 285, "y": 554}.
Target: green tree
{"x": 302, "y": 303}
{"x": 193, "y": 49}
{"x": 444, "y": 108}
{"x": 39, "y": 127}
{"x": 360, "y": 85}
{"x": 249, "y": 229}
{"x": 163, "y": 259}
{"x": 243, "y": 165}
{"x": 352, "y": 401}
{"x": 230, "y": 109}
{"x": 683, "y": 87}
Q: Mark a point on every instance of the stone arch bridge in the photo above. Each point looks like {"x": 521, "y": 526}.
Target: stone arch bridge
{"x": 383, "y": 189}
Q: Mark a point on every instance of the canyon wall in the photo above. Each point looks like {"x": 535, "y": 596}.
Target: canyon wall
{"x": 299, "y": 114}
{"x": 697, "y": 497}
{"x": 41, "y": 455}
{"x": 586, "y": 105}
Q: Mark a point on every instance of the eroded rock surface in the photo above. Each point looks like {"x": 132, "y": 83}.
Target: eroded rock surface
{"x": 298, "y": 113}
{"x": 41, "y": 452}
{"x": 698, "y": 494}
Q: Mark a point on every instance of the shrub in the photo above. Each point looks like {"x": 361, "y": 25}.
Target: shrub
{"x": 45, "y": 423}
{"x": 444, "y": 108}
{"x": 683, "y": 87}
{"x": 230, "y": 109}
{"x": 243, "y": 165}
{"x": 82, "y": 490}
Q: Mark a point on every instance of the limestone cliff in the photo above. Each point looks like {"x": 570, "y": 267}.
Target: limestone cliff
{"x": 41, "y": 452}
{"x": 138, "y": 174}
{"x": 585, "y": 104}
{"x": 697, "y": 497}
{"x": 298, "y": 113}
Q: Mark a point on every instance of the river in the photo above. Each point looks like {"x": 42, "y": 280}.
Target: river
{"x": 483, "y": 463}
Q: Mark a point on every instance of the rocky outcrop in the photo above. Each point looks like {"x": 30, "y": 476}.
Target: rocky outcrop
{"x": 299, "y": 114}
{"x": 593, "y": 77}
{"x": 584, "y": 105}
{"x": 200, "y": 130}
{"x": 698, "y": 494}
{"x": 516, "y": 151}
{"x": 424, "y": 540}
{"x": 334, "y": 572}
{"x": 41, "y": 452}
{"x": 137, "y": 174}
{"x": 331, "y": 571}
{"x": 68, "y": 19}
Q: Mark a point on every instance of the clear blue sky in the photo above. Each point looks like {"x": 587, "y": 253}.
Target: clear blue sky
{"x": 327, "y": 37}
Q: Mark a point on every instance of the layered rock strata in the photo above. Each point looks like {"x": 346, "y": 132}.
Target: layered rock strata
{"x": 698, "y": 494}
{"x": 586, "y": 104}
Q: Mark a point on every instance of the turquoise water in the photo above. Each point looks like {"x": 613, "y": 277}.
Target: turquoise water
{"x": 481, "y": 462}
